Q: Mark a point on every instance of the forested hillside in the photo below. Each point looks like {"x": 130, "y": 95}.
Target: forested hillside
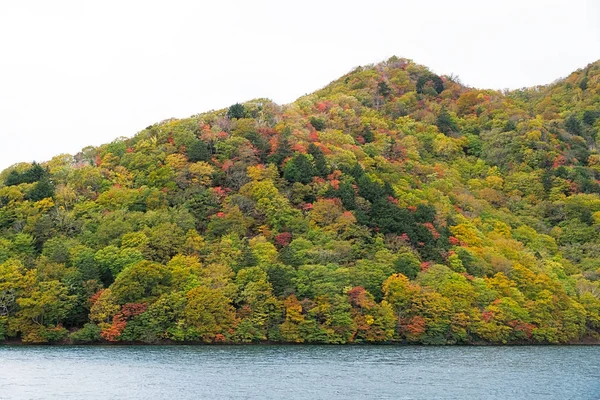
{"x": 393, "y": 205}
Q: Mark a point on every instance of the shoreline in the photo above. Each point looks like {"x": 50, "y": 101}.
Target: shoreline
{"x": 16, "y": 343}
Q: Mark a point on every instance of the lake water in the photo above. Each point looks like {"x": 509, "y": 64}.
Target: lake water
{"x": 299, "y": 372}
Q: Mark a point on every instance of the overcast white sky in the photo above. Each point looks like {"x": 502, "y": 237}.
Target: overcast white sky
{"x": 77, "y": 73}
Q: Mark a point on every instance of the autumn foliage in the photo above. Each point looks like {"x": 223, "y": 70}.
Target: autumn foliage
{"x": 392, "y": 205}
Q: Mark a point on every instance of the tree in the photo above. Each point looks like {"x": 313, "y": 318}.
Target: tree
{"x": 209, "y": 314}
{"x": 299, "y": 169}
{"x": 368, "y": 135}
{"x": 383, "y": 89}
{"x": 283, "y": 148}
{"x": 13, "y": 178}
{"x": 317, "y": 123}
{"x": 198, "y": 151}
{"x": 47, "y": 304}
{"x": 408, "y": 265}
{"x": 236, "y": 111}
{"x": 83, "y": 258}
{"x": 573, "y": 126}
{"x": 590, "y": 117}
{"x": 140, "y": 282}
{"x": 111, "y": 260}
{"x": 446, "y": 123}
{"x": 320, "y": 163}
{"x": 347, "y": 195}
{"x": 290, "y": 328}
{"x": 33, "y": 174}
{"x": 430, "y": 80}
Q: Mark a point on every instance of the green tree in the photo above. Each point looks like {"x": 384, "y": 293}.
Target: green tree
{"x": 140, "y": 282}
{"x": 317, "y": 123}
{"x": 572, "y": 125}
{"x": 198, "y": 151}
{"x": 446, "y": 122}
{"x": 236, "y": 111}
{"x": 320, "y": 163}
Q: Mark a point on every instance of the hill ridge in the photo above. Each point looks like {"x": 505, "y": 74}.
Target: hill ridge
{"x": 392, "y": 205}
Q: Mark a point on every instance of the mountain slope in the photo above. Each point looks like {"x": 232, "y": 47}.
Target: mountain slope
{"x": 391, "y": 205}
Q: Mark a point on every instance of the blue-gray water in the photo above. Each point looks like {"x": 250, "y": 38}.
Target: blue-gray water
{"x": 299, "y": 372}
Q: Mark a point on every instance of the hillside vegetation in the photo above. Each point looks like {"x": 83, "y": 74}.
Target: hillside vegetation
{"x": 393, "y": 205}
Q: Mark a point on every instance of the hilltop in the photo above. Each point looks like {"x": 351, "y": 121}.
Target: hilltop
{"x": 393, "y": 205}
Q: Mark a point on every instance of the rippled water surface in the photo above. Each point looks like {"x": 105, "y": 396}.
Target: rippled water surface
{"x": 299, "y": 372}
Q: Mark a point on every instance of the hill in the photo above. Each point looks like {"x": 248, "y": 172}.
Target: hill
{"x": 393, "y": 205}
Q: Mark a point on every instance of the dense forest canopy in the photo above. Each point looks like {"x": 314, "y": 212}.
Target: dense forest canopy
{"x": 393, "y": 205}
